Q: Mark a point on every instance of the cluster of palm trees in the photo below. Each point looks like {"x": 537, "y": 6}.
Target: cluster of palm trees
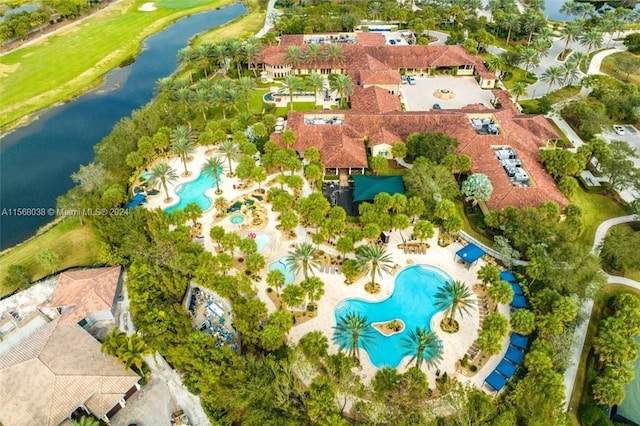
{"x": 222, "y": 56}
{"x": 130, "y": 350}
{"x": 315, "y": 53}
{"x": 315, "y": 82}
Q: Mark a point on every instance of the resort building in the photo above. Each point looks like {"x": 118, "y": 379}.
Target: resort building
{"x": 502, "y": 143}
{"x": 58, "y": 372}
{"x": 87, "y": 296}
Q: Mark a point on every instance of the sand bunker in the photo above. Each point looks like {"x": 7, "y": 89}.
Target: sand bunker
{"x": 148, "y": 7}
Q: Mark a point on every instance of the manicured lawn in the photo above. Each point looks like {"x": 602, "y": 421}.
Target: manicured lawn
{"x": 468, "y": 228}
{"x": 255, "y": 101}
{"x": 596, "y": 208}
{"x": 181, "y": 4}
{"x": 517, "y": 74}
{"x": 610, "y": 66}
{"x": 297, "y": 106}
{"x": 242, "y": 28}
{"x": 65, "y": 65}
{"x": 75, "y": 245}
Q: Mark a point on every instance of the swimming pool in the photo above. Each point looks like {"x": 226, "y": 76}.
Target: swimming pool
{"x": 281, "y": 266}
{"x": 236, "y": 219}
{"x": 412, "y": 301}
{"x": 193, "y": 192}
{"x": 261, "y": 241}
{"x": 630, "y": 407}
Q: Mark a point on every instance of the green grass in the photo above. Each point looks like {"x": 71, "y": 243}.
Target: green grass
{"x": 241, "y": 28}
{"x": 66, "y": 64}
{"x": 256, "y": 104}
{"x": 181, "y": 4}
{"x": 517, "y": 74}
{"x": 596, "y": 208}
{"x": 297, "y": 106}
{"x": 76, "y": 246}
{"x": 468, "y": 227}
{"x": 610, "y": 66}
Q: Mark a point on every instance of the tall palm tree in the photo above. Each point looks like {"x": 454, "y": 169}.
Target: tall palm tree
{"x": 374, "y": 259}
{"x": 591, "y": 39}
{"x": 292, "y": 84}
{"x": 422, "y": 345}
{"x": 213, "y": 167}
{"x": 304, "y": 257}
{"x": 219, "y": 55}
{"x": 570, "y": 72}
{"x": 134, "y": 351}
{"x": 454, "y": 296}
{"x": 312, "y": 53}
{"x": 315, "y": 83}
{"x": 519, "y": 88}
{"x": 567, "y": 8}
{"x": 571, "y": 32}
{"x": 496, "y": 64}
{"x": 245, "y": 86}
{"x": 342, "y": 84}
{"x": 86, "y": 421}
{"x": 530, "y": 57}
{"x": 202, "y": 56}
{"x": 293, "y": 56}
{"x": 231, "y": 151}
{"x": 352, "y": 332}
{"x": 202, "y": 100}
{"x": 163, "y": 173}
{"x": 335, "y": 54}
{"x": 112, "y": 342}
{"x": 182, "y": 145}
{"x": 580, "y": 58}
{"x": 251, "y": 53}
{"x": 235, "y": 52}
{"x": 511, "y": 22}
{"x": 551, "y": 76}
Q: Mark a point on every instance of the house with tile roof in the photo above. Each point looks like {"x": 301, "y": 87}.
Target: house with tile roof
{"x": 88, "y": 295}
{"x": 57, "y": 372}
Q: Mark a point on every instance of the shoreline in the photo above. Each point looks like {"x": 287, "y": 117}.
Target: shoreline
{"x": 156, "y": 28}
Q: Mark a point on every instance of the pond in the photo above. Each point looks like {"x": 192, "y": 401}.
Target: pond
{"x": 37, "y": 160}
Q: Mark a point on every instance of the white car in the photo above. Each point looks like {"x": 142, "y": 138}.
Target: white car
{"x": 619, "y": 130}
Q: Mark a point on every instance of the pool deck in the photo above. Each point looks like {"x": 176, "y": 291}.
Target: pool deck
{"x": 454, "y": 345}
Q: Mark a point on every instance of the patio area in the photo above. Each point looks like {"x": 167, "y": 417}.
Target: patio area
{"x": 459, "y": 92}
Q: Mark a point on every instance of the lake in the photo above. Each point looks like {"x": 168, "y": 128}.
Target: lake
{"x": 37, "y": 160}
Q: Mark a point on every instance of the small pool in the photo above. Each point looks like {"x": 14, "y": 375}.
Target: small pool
{"x": 272, "y": 97}
{"x": 261, "y": 241}
{"x": 280, "y": 265}
{"x": 236, "y": 219}
{"x": 412, "y": 301}
{"x": 193, "y": 192}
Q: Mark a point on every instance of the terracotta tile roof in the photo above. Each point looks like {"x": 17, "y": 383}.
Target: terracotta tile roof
{"x": 85, "y": 291}
{"x": 374, "y": 99}
{"x": 291, "y": 40}
{"x": 57, "y": 369}
{"x": 371, "y": 39}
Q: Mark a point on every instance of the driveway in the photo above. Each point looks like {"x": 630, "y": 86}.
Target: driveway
{"x": 466, "y": 91}
{"x": 152, "y": 405}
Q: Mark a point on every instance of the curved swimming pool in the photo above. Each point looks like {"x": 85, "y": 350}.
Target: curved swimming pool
{"x": 281, "y": 266}
{"x": 412, "y": 301}
{"x": 193, "y": 192}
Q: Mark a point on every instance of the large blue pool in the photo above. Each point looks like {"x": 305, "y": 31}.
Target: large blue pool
{"x": 281, "y": 266}
{"x": 193, "y": 192}
{"x": 412, "y": 301}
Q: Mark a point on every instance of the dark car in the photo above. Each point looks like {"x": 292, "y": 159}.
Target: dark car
{"x": 436, "y": 106}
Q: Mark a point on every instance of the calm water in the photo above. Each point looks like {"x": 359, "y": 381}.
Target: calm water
{"x": 36, "y": 161}
{"x": 412, "y": 302}
{"x": 193, "y": 192}
{"x": 552, "y": 10}
{"x": 630, "y": 407}
{"x": 281, "y": 265}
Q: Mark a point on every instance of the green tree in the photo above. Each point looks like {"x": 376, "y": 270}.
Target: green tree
{"x": 488, "y": 273}
{"x": 17, "y": 277}
{"x": 313, "y": 288}
{"x": 422, "y": 345}
{"x": 86, "y": 421}
{"x": 454, "y": 297}
{"x": 433, "y": 146}
{"x": 344, "y": 245}
{"x": 163, "y": 173}
{"x": 48, "y": 259}
{"x": 351, "y": 270}
{"x": 304, "y": 257}
{"x": 501, "y": 292}
{"x": 523, "y": 321}
{"x": 314, "y": 345}
{"x": 423, "y": 230}
{"x": 213, "y": 168}
{"x": 230, "y": 150}
{"x": 352, "y": 332}
{"x": 399, "y": 150}
{"x": 374, "y": 259}
{"x": 552, "y": 75}
{"x": 519, "y": 89}
{"x": 477, "y": 187}
{"x": 378, "y": 164}
{"x": 293, "y": 295}
{"x": 342, "y": 84}
{"x": 133, "y": 351}
{"x": 276, "y": 279}
{"x": 494, "y": 329}
{"x": 432, "y": 183}
{"x": 292, "y": 84}
{"x": 619, "y": 167}
{"x": 314, "y": 81}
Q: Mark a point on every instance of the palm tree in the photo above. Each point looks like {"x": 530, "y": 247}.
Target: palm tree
{"x": 213, "y": 167}
{"x": 374, "y": 259}
{"x": 422, "y": 345}
{"x": 570, "y": 33}
{"x": 570, "y": 72}
{"x": 342, "y": 84}
{"x": 580, "y": 58}
{"x": 292, "y": 84}
{"x": 86, "y": 421}
{"x": 134, "y": 351}
{"x": 251, "y": 53}
{"x": 551, "y": 76}
{"x": 315, "y": 83}
{"x": 530, "y": 56}
{"x": 235, "y": 52}
{"x": 245, "y": 86}
{"x": 202, "y": 55}
{"x": 592, "y": 39}
{"x": 519, "y": 88}
{"x": 567, "y": 8}
{"x": 182, "y": 145}
{"x": 352, "y": 332}
{"x": 496, "y": 64}
{"x": 231, "y": 151}
{"x": 454, "y": 296}
{"x": 293, "y": 56}
{"x": 510, "y": 23}
{"x": 112, "y": 342}
{"x": 304, "y": 257}
{"x": 335, "y": 54}
{"x": 219, "y": 56}
{"x": 312, "y": 53}
{"x": 163, "y": 173}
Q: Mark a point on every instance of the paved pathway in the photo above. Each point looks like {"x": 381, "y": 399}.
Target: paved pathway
{"x": 269, "y": 20}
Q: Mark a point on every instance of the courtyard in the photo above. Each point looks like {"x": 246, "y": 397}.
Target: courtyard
{"x": 462, "y": 91}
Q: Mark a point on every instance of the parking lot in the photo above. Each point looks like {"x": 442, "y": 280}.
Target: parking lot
{"x": 466, "y": 91}
{"x": 631, "y": 136}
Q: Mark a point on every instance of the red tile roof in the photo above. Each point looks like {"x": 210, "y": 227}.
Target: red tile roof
{"x": 374, "y": 99}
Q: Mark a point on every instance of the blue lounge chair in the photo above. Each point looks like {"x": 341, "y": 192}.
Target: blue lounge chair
{"x": 519, "y": 341}
{"x": 519, "y": 302}
{"x": 508, "y": 277}
{"x": 506, "y": 368}
{"x": 514, "y": 355}
{"x": 496, "y": 381}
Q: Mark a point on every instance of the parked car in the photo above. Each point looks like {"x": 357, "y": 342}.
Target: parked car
{"x": 404, "y": 79}
{"x": 437, "y": 106}
{"x": 392, "y": 41}
{"x": 619, "y": 130}
{"x": 412, "y": 80}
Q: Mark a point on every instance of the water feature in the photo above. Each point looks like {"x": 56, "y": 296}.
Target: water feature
{"x": 237, "y": 219}
{"x": 630, "y": 407}
{"x": 193, "y": 192}
{"x": 36, "y": 161}
{"x": 552, "y": 9}
{"x": 281, "y": 266}
{"x": 412, "y": 302}
{"x": 261, "y": 241}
